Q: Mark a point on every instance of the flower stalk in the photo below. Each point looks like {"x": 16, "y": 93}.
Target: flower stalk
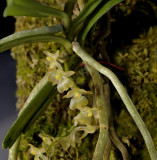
{"x": 123, "y": 94}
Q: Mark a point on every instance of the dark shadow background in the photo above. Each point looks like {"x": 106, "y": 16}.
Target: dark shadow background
{"x": 8, "y": 111}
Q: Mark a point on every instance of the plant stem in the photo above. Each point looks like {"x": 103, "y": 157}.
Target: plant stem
{"x": 13, "y": 151}
{"x": 103, "y": 117}
{"x": 107, "y": 151}
{"x": 39, "y": 96}
{"x": 123, "y": 94}
{"x": 112, "y": 132}
{"x": 69, "y": 7}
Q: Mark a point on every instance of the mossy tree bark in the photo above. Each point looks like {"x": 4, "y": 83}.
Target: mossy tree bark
{"x": 136, "y": 52}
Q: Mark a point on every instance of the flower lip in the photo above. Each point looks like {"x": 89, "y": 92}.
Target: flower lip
{"x": 76, "y": 93}
{"x": 52, "y": 60}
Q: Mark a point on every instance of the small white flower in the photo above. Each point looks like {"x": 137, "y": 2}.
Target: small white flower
{"x": 65, "y": 84}
{"x": 91, "y": 112}
{"x": 76, "y": 93}
{"x": 60, "y": 78}
{"x": 86, "y": 116}
{"x": 75, "y": 138}
{"x": 47, "y": 141}
{"x": 83, "y": 118}
{"x": 47, "y": 144}
{"x": 38, "y": 153}
{"x": 78, "y": 101}
{"x": 65, "y": 142}
{"x": 51, "y": 60}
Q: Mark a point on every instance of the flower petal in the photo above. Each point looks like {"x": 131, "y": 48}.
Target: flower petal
{"x": 64, "y": 85}
{"x": 38, "y": 152}
{"x": 83, "y": 118}
{"x": 65, "y": 142}
{"x": 78, "y": 103}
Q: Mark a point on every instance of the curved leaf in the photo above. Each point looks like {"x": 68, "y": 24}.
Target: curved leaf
{"x": 34, "y": 9}
{"x": 43, "y": 34}
{"x": 42, "y": 95}
{"x": 95, "y": 16}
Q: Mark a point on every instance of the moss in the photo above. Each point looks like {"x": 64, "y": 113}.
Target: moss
{"x": 139, "y": 61}
{"x": 30, "y": 57}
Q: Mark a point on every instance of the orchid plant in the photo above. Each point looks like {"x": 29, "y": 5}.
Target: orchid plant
{"x": 75, "y": 24}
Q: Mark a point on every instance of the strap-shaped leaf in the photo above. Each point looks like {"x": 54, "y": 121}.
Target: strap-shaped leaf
{"x": 41, "y": 96}
{"x": 69, "y": 6}
{"x": 13, "y": 151}
{"x": 34, "y": 9}
{"x": 39, "y": 99}
{"x": 43, "y": 34}
{"x": 87, "y": 10}
{"x": 104, "y": 7}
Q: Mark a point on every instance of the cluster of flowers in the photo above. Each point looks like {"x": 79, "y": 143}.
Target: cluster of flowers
{"x": 86, "y": 117}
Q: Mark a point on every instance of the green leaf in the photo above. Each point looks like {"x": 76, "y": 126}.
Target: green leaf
{"x": 41, "y": 96}
{"x": 34, "y": 9}
{"x": 103, "y": 8}
{"x": 16, "y": 10}
{"x": 43, "y": 34}
{"x": 39, "y": 99}
{"x": 13, "y": 151}
{"x": 87, "y": 10}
